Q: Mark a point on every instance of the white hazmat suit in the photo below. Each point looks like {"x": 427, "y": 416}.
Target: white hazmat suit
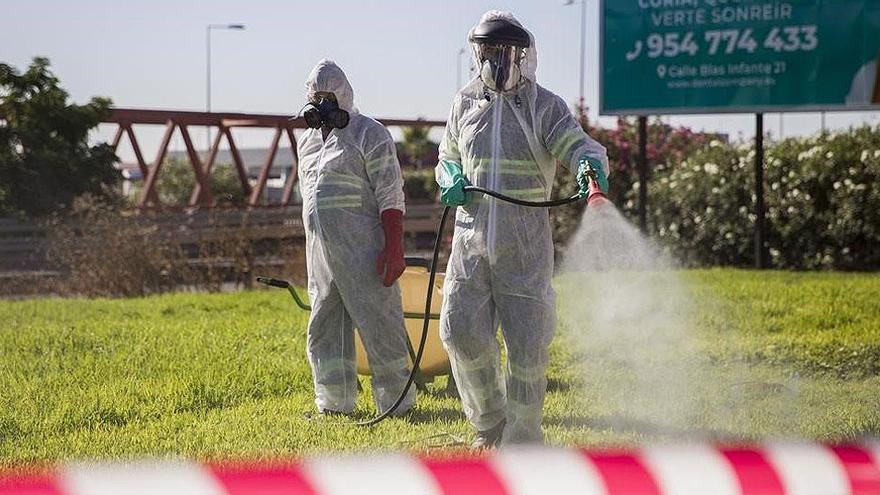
{"x": 501, "y": 264}
{"x": 347, "y": 181}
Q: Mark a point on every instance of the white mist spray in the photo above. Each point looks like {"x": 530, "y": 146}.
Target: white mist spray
{"x": 630, "y": 317}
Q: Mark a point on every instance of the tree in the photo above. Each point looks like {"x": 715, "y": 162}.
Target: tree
{"x": 416, "y": 147}
{"x": 177, "y": 181}
{"x": 45, "y": 158}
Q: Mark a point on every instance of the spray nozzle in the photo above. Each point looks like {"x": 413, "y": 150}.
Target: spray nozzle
{"x": 590, "y": 173}
{"x": 594, "y": 195}
{"x": 585, "y": 181}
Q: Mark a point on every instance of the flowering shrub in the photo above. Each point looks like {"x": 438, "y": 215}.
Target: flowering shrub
{"x": 822, "y": 199}
{"x": 701, "y": 210}
{"x": 666, "y": 147}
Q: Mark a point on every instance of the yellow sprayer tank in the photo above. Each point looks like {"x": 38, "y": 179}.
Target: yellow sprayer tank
{"x": 413, "y": 288}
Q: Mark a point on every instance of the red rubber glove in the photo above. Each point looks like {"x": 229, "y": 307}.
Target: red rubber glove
{"x": 391, "y": 262}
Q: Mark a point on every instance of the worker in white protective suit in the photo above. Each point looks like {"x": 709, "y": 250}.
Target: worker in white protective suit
{"x": 505, "y": 133}
{"x": 353, "y": 205}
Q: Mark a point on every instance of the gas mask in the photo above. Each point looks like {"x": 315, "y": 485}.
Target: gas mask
{"x": 499, "y": 47}
{"x": 325, "y": 112}
{"x": 500, "y": 66}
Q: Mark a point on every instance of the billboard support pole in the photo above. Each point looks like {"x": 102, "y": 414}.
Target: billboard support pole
{"x": 643, "y": 173}
{"x": 760, "y": 226}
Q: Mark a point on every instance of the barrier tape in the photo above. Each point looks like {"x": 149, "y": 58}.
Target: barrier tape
{"x": 689, "y": 469}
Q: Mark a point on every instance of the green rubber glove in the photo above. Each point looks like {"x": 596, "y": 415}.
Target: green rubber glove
{"x": 451, "y": 181}
{"x": 589, "y": 163}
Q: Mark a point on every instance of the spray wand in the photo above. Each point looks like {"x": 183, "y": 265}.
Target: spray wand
{"x": 594, "y": 195}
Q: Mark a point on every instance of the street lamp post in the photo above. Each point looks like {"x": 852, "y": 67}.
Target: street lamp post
{"x": 208, "y": 29}
{"x": 581, "y": 101}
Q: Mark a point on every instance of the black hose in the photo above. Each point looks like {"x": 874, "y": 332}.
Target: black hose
{"x": 421, "y": 349}
{"x": 430, "y": 295}
{"x": 522, "y": 202}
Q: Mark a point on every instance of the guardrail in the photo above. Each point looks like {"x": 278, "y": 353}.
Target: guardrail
{"x": 23, "y": 245}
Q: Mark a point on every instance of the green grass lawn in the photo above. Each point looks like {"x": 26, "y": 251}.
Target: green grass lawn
{"x": 225, "y": 375}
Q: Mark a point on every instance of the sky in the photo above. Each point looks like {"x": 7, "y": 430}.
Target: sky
{"x": 401, "y": 57}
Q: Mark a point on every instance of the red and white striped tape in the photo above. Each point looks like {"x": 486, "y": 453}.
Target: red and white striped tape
{"x": 690, "y": 469}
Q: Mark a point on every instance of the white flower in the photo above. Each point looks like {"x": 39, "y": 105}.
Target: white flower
{"x": 810, "y": 153}
{"x": 795, "y": 192}
{"x": 715, "y": 143}
{"x": 709, "y": 209}
{"x": 710, "y": 168}
{"x": 743, "y": 210}
{"x": 830, "y": 154}
{"x": 837, "y": 185}
{"x": 698, "y": 219}
{"x": 672, "y": 184}
{"x": 715, "y": 190}
{"x": 876, "y": 153}
{"x": 774, "y": 252}
{"x": 774, "y": 186}
{"x": 728, "y": 235}
{"x": 865, "y": 155}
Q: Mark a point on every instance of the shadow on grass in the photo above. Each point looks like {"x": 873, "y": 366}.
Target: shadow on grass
{"x": 633, "y": 425}
{"x": 556, "y": 385}
{"x": 446, "y": 414}
{"x": 416, "y": 415}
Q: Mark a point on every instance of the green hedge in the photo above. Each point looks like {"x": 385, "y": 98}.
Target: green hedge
{"x": 821, "y": 193}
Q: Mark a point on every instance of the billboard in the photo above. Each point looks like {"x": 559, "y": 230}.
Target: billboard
{"x": 713, "y": 56}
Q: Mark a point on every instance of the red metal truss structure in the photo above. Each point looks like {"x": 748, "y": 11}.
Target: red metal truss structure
{"x": 283, "y": 126}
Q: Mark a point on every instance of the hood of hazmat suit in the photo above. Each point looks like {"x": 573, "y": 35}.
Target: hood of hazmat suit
{"x": 347, "y": 180}
{"x": 501, "y": 263}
